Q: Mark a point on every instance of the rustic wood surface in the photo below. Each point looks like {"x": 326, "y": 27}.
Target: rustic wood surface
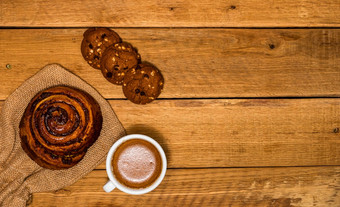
{"x": 180, "y": 13}
{"x": 255, "y": 187}
{"x": 196, "y": 63}
{"x": 238, "y": 133}
{"x": 250, "y": 111}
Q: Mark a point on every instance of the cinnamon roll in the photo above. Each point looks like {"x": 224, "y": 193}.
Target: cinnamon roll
{"x": 59, "y": 125}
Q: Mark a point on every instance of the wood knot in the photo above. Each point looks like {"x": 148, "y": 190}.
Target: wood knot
{"x": 63, "y": 192}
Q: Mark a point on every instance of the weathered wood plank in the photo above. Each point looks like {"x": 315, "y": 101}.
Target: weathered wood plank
{"x": 182, "y": 13}
{"x": 195, "y": 62}
{"x": 238, "y": 133}
{"x": 303, "y": 187}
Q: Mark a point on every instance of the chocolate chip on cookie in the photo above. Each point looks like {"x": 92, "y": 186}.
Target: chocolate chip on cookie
{"x": 95, "y": 41}
{"x": 144, "y": 84}
{"x": 117, "y": 60}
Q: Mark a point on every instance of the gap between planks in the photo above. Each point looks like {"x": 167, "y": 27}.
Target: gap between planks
{"x": 251, "y": 167}
{"x": 174, "y": 28}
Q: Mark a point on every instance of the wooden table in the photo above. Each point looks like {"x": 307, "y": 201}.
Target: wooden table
{"x": 250, "y": 113}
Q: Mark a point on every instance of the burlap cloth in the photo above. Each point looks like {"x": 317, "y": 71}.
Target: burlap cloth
{"x": 19, "y": 175}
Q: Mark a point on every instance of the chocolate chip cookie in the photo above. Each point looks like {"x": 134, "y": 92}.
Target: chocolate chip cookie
{"x": 144, "y": 84}
{"x": 95, "y": 41}
{"x": 117, "y": 60}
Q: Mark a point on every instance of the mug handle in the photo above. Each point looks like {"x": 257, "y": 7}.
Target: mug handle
{"x": 109, "y": 186}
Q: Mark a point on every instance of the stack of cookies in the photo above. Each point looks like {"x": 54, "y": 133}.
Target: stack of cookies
{"x": 121, "y": 64}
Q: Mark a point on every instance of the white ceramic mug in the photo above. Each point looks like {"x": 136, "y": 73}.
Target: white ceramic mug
{"x": 114, "y": 183}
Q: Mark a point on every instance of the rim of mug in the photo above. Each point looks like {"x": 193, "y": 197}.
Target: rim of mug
{"x": 124, "y": 188}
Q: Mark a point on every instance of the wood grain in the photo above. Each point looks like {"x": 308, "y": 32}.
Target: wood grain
{"x": 239, "y": 133}
{"x": 275, "y": 187}
{"x": 204, "y": 51}
{"x": 195, "y": 62}
{"x": 181, "y": 13}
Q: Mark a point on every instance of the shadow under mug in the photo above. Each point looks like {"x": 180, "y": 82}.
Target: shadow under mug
{"x": 114, "y": 183}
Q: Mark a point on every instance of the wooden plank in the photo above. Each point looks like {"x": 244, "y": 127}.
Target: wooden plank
{"x": 239, "y": 133}
{"x": 182, "y": 13}
{"x": 303, "y": 187}
{"x": 194, "y": 62}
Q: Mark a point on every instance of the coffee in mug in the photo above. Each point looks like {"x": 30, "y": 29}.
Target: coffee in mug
{"x": 136, "y": 163}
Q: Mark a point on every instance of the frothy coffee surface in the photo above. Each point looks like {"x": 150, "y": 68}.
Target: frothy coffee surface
{"x": 136, "y": 163}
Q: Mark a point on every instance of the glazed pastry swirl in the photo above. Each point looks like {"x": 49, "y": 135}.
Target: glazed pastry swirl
{"x": 59, "y": 125}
